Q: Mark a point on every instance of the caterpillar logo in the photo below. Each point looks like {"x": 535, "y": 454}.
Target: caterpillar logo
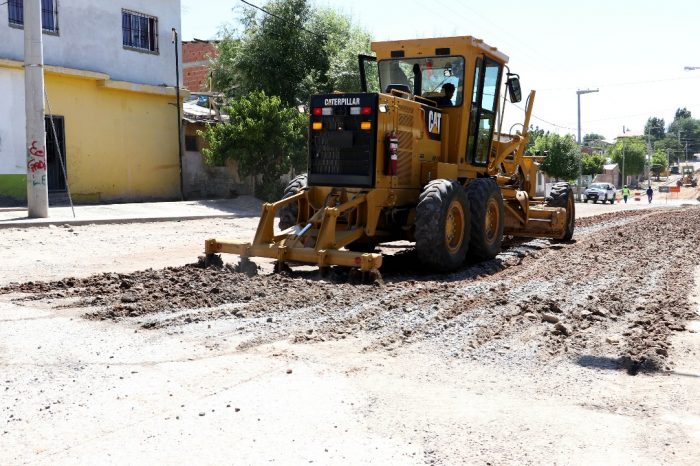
{"x": 433, "y": 121}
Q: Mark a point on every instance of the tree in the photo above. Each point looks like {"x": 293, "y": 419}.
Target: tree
{"x": 682, "y": 113}
{"x": 533, "y": 134}
{"x": 590, "y": 140}
{"x": 292, "y": 52}
{"x": 659, "y": 163}
{"x": 263, "y": 136}
{"x": 563, "y": 155}
{"x": 655, "y": 128}
{"x": 686, "y": 130}
{"x": 630, "y": 152}
{"x": 592, "y": 164}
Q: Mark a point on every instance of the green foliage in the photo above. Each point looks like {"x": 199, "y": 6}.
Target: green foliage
{"x": 294, "y": 52}
{"x": 632, "y": 151}
{"x": 686, "y": 129}
{"x": 564, "y": 155}
{"x": 655, "y": 128}
{"x": 592, "y": 164}
{"x": 682, "y": 113}
{"x": 264, "y": 136}
{"x": 670, "y": 146}
{"x": 659, "y": 163}
{"x": 534, "y": 133}
{"x": 591, "y": 140}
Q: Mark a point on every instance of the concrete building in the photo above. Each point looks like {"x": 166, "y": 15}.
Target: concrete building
{"x": 110, "y": 83}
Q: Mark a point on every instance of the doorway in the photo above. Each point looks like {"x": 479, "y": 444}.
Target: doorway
{"x": 55, "y": 172}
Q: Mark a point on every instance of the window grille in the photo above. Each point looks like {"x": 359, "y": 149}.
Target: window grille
{"x": 139, "y": 31}
{"x": 49, "y": 14}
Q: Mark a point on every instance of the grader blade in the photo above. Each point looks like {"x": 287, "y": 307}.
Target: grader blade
{"x": 314, "y": 242}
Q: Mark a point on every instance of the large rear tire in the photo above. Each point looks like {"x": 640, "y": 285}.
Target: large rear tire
{"x": 442, "y": 226}
{"x": 487, "y": 218}
{"x": 288, "y": 214}
{"x": 562, "y": 195}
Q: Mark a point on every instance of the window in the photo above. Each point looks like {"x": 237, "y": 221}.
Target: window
{"x": 49, "y": 14}
{"x": 140, "y": 31}
{"x": 191, "y": 143}
{"x": 434, "y": 73}
{"x": 487, "y": 75}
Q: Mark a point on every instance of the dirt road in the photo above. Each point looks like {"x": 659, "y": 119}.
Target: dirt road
{"x": 560, "y": 353}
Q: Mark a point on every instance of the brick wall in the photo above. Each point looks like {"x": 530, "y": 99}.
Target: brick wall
{"x": 195, "y": 75}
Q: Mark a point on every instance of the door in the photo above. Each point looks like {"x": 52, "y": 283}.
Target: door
{"x": 55, "y": 153}
{"x": 487, "y": 77}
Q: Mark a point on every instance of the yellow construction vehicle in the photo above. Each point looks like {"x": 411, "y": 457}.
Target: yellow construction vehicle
{"x": 687, "y": 178}
{"x": 419, "y": 155}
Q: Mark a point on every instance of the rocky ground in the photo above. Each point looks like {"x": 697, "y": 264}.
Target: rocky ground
{"x": 523, "y": 359}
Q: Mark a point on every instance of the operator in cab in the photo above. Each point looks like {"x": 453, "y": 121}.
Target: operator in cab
{"x": 448, "y": 90}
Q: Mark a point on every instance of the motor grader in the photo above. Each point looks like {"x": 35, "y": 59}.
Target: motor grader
{"x": 687, "y": 177}
{"x": 418, "y": 155}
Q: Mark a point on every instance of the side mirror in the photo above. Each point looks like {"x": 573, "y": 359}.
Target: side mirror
{"x": 513, "y": 85}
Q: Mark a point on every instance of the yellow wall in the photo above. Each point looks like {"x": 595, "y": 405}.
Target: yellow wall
{"x": 121, "y": 142}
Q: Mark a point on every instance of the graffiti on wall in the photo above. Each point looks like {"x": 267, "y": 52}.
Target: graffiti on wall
{"x": 36, "y": 164}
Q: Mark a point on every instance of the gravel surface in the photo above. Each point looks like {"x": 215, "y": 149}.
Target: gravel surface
{"x": 615, "y": 290}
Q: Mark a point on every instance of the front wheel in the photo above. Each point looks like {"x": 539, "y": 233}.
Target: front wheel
{"x": 487, "y": 218}
{"x": 561, "y": 195}
{"x": 442, "y": 231}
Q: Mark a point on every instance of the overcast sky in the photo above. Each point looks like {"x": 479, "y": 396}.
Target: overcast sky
{"x": 633, "y": 51}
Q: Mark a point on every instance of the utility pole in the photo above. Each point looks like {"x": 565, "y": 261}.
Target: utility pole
{"x": 37, "y": 189}
{"x": 179, "y": 115}
{"x": 580, "y": 170}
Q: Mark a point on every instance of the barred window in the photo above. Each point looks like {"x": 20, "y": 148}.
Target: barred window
{"x": 49, "y": 14}
{"x": 139, "y": 31}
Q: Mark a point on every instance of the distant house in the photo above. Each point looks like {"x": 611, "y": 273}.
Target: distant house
{"x": 196, "y": 56}
{"x": 110, "y": 82}
{"x": 611, "y": 174}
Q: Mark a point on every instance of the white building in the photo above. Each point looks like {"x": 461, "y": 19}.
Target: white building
{"x": 110, "y": 76}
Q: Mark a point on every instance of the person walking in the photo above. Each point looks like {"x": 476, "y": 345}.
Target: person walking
{"x": 650, "y": 193}
{"x": 625, "y": 193}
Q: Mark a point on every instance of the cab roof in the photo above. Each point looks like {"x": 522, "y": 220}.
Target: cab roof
{"x": 458, "y": 45}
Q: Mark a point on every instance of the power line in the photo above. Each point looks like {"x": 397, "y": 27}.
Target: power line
{"x": 630, "y": 83}
{"x": 320, "y": 36}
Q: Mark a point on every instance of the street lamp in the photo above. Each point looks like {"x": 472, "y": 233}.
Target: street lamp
{"x": 578, "y": 98}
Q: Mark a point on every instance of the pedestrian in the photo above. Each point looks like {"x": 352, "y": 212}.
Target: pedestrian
{"x": 650, "y": 193}
{"x": 625, "y": 193}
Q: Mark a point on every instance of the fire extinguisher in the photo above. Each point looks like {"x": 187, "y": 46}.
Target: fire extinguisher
{"x": 392, "y": 153}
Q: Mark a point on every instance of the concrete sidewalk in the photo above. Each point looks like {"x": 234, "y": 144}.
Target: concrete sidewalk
{"x": 244, "y": 206}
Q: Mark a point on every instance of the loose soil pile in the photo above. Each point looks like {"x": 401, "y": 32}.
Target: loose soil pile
{"x": 610, "y": 298}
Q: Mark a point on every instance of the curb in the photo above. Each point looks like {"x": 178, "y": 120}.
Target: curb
{"x": 107, "y": 221}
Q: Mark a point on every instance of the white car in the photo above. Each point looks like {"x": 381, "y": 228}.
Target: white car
{"x": 600, "y": 192}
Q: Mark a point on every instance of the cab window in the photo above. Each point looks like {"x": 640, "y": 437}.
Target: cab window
{"x": 441, "y": 78}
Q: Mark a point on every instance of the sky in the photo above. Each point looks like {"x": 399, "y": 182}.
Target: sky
{"x": 633, "y": 51}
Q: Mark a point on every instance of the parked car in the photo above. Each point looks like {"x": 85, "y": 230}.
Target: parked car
{"x": 600, "y": 192}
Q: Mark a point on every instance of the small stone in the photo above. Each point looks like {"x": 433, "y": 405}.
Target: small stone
{"x": 550, "y": 318}
{"x": 269, "y": 319}
{"x": 202, "y": 413}
{"x": 236, "y": 409}
{"x": 289, "y": 371}
{"x": 662, "y": 351}
{"x": 563, "y": 329}
{"x": 613, "y": 339}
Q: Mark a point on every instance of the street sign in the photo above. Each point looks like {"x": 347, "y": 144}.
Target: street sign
{"x": 663, "y": 189}
{"x": 675, "y": 189}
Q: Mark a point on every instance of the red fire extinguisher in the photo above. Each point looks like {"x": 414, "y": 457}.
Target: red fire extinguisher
{"x": 392, "y": 153}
